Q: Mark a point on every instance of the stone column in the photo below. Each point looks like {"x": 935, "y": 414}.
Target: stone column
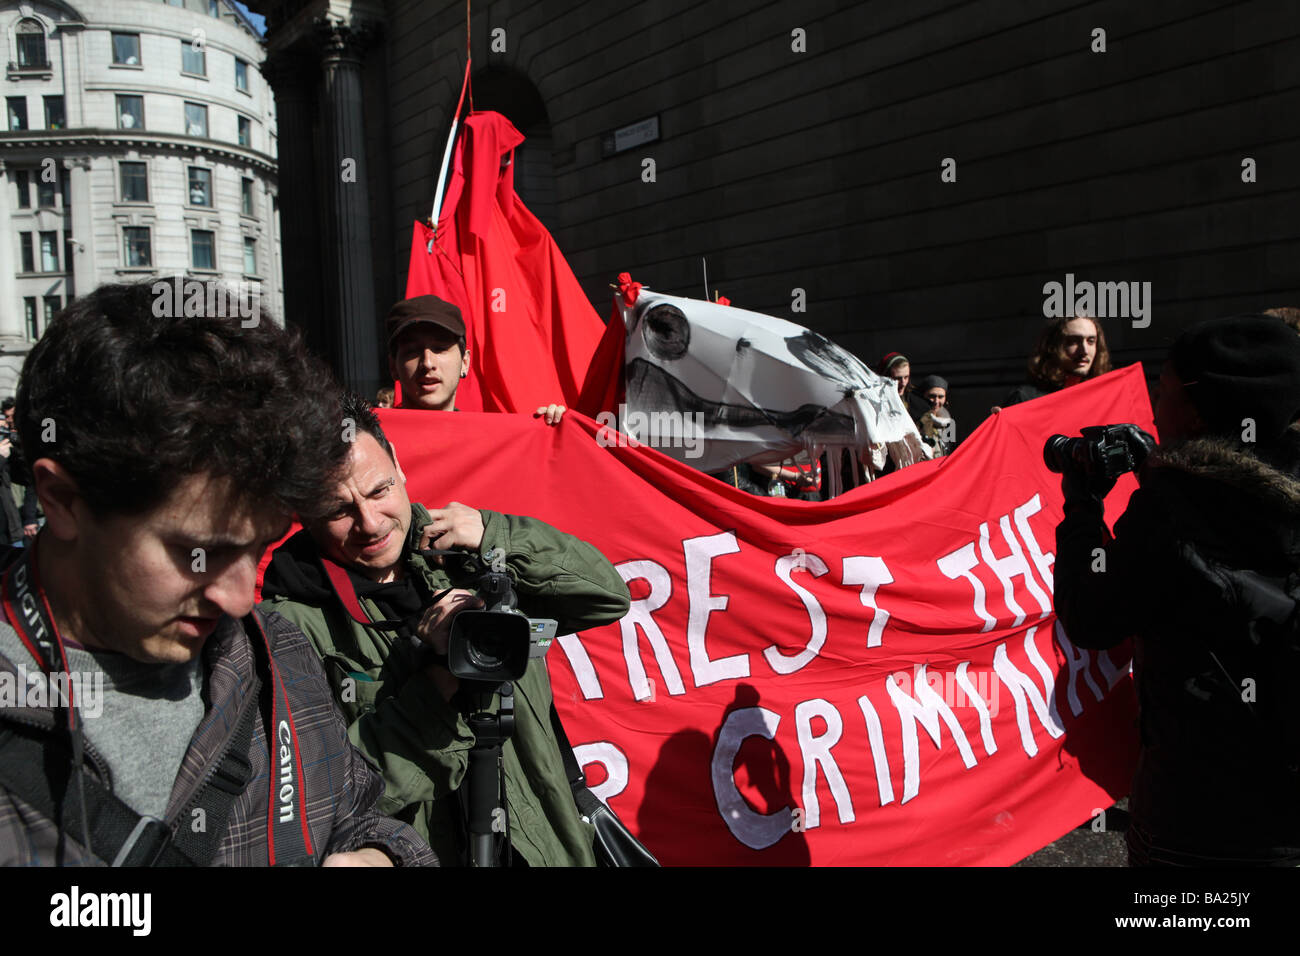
{"x": 12, "y": 321}
{"x": 82, "y": 278}
{"x": 349, "y": 274}
{"x": 293, "y": 77}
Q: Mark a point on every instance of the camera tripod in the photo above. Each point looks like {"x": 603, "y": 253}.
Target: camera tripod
{"x": 485, "y": 778}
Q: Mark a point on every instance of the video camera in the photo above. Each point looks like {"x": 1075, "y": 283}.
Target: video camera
{"x": 495, "y": 643}
{"x": 1103, "y": 452}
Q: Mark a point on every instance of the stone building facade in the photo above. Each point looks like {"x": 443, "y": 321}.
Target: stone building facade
{"x": 140, "y": 141}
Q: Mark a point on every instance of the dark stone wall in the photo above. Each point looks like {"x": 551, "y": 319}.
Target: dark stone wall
{"x": 820, "y": 170}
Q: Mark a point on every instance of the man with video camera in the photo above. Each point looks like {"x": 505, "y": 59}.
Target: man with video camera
{"x": 1204, "y": 573}
{"x": 380, "y": 614}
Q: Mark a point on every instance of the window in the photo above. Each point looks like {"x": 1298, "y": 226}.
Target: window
{"x": 196, "y": 119}
{"x": 130, "y": 111}
{"x": 126, "y": 49}
{"x": 25, "y": 243}
{"x": 17, "y": 112}
{"x": 49, "y": 252}
{"x": 66, "y": 191}
{"x": 246, "y": 197}
{"x": 193, "y": 58}
{"x": 31, "y": 45}
{"x": 245, "y": 131}
{"x": 135, "y": 182}
{"x": 22, "y": 179}
{"x": 241, "y": 75}
{"x": 203, "y": 247}
{"x": 214, "y": 8}
{"x": 29, "y": 306}
{"x": 200, "y": 186}
{"x": 52, "y": 305}
{"x": 136, "y": 239}
{"x": 55, "y": 118}
{"x": 250, "y": 256}
{"x": 46, "y": 190}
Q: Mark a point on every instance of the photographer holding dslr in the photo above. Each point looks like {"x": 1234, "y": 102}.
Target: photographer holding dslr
{"x": 382, "y": 610}
{"x": 1204, "y": 573}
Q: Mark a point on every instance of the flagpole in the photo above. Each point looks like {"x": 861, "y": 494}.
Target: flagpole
{"x": 446, "y": 156}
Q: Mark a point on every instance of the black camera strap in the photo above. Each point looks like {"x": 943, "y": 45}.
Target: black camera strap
{"x": 346, "y": 592}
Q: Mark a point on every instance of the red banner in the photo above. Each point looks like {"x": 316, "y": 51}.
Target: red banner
{"x": 875, "y": 679}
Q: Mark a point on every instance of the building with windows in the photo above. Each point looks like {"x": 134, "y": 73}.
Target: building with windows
{"x": 139, "y": 141}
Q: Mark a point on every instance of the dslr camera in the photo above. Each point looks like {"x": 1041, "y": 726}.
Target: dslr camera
{"x": 496, "y": 643}
{"x": 1104, "y": 452}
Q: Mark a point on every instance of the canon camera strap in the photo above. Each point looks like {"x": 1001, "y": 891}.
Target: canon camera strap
{"x": 287, "y": 836}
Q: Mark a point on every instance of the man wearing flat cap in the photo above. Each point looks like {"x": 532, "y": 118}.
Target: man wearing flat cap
{"x": 1203, "y": 572}
{"x": 426, "y": 352}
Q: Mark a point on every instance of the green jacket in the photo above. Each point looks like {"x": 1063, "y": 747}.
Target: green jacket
{"x": 398, "y": 718}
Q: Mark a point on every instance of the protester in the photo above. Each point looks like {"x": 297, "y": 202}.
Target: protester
{"x": 428, "y": 356}
{"x": 16, "y": 477}
{"x": 195, "y": 731}
{"x": 1068, "y": 351}
{"x": 896, "y": 366}
{"x": 775, "y": 480}
{"x": 406, "y": 710}
{"x": 1203, "y": 570}
{"x": 937, "y": 427}
{"x": 385, "y": 397}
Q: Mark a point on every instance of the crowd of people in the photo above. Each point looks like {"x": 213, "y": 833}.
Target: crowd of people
{"x": 329, "y": 725}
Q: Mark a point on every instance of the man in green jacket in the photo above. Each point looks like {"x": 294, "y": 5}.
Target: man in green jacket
{"x": 405, "y": 710}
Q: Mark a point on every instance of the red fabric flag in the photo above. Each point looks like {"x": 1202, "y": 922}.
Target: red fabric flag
{"x": 530, "y": 329}
{"x": 875, "y": 679}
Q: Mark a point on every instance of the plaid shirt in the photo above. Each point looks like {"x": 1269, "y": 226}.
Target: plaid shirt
{"x": 342, "y": 789}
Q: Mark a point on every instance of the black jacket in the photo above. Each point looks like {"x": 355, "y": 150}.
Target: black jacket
{"x": 1204, "y": 572}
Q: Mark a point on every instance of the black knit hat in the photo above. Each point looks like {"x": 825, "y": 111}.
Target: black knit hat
{"x": 1244, "y": 366}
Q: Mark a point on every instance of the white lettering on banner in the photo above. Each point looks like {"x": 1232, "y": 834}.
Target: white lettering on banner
{"x": 876, "y": 735}
{"x": 609, "y": 756}
{"x": 1077, "y": 659}
{"x": 583, "y": 670}
{"x": 981, "y": 706}
{"x": 1043, "y": 561}
{"x": 700, "y": 553}
{"x": 927, "y": 708}
{"x": 870, "y": 573}
{"x": 1022, "y": 688}
{"x": 758, "y": 831}
{"x": 959, "y": 564}
{"x": 816, "y": 750}
{"x": 788, "y": 664}
{"x": 641, "y": 613}
{"x": 1009, "y": 568}
{"x": 962, "y": 562}
{"x": 1109, "y": 671}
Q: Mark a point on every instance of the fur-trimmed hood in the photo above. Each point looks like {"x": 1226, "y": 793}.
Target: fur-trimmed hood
{"x": 1224, "y": 462}
{"x": 1236, "y": 501}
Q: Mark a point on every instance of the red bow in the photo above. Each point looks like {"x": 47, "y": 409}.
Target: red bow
{"x": 629, "y": 289}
